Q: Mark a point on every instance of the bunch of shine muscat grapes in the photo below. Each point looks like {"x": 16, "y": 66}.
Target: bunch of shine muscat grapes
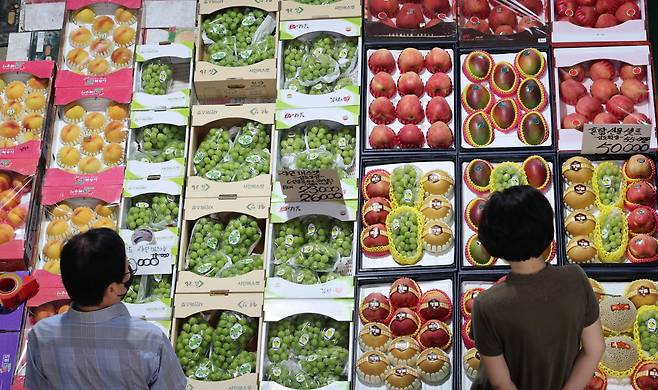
{"x": 322, "y": 44}
{"x": 252, "y": 19}
{"x": 612, "y": 227}
{"x": 211, "y": 151}
{"x": 327, "y": 363}
{"x": 256, "y": 162}
{"x": 405, "y": 180}
{"x": 230, "y": 337}
{"x": 206, "y": 235}
{"x": 647, "y": 322}
{"x": 165, "y": 210}
{"x": 284, "y": 271}
{"x": 212, "y": 264}
{"x": 193, "y": 343}
{"x": 279, "y": 373}
{"x": 343, "y": 144}
{"x": 315, "y": 159}
{"x": 342, "y": 236}
{"x": 317, "y": 228}
{"x": 239, "y": 236}
{"x": 317, "y": 257}
{"x": 292, "y": 141}
{"x": 507, "y": 176}
{"x": 160, "y": 286}
{"x": 280, "y": 340}
{"x": 315, "y": 67}
{"x": 156, "y": 77}
{"x": 303, "y": 275}
{"x": 140, "y": 213}
{"x": 345, "y": 54}
{"x": 161, "y": 142}
{"x": 294, "y": 52}
{"x": 242, "y": 266}
{"x": 609, "y": 180}
{"x": 404, "y": 228}
{"x": 133, "y": 291}
{"x": 319, "y": 136}
{"x": 223, "y": 53}
{"x": 288, "y": 239}
{"x": 243, "y": 363}
{"x": 313, "y": 331}
{"x": 328, "y": 276}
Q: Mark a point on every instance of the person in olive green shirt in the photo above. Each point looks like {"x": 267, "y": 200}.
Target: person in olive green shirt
{"x": 540, "y": 328}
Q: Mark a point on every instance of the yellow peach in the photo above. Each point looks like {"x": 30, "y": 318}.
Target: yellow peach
{"x": 103, "y": 24}
{"x": 53, "y": 249}
{"x": 98, "y": 66}
{"x": 9, "y": 129}
{"x": 53, "y": 267}
{"x": 33, "y": 122}
{"x": 103, "y": 210}
{"x": 112, "y": 154}
{"x": 82, "y": 216}
{"x": 80, "y": 37}
{"x": 37, "y": 84}
{"x": 6, "y": 233}
{"x": 89, "y": 164}
{"x": 15, "y": 90}
{"x": 68, "y": 156}
{"x": 70, "y": 134}
{"x": 9, "y": 199}
{"x": 61, "y": 210}
{"x": 124, "y": 36}
{"x": 57, "y": 228}
{"x": 117, "y": 112}
{"x": 84, "y": 15}
{"x": 74, "y": 112}
{"x": 35, "y": 101}
{"x": 94, "y": 121}
{"x": 16, "y": 217}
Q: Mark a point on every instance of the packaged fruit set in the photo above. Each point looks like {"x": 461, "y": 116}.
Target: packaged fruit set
{"x": 407, "y": 215}
{"x": 24, "y": 97}
{"x": 599, "y": 21}
{"x": 405, "y": 334}
{"x": 601, "y": 86}
{"x": 522, "y": 20}
{"x": 218, "y": 339}
{"x": 610, "y": 209}
{"x": 411, "y": 99}
{"x": 484, "y": 177}
{"x": 320, "y": 63}
{"x": 307, "y": 344}
{"x": 149, "y": 298}
{"x": 505, "y": 100}
{"x": 99, "y": 43}
{"x": 400, "y": 19}
{"x": 90, "y": 129}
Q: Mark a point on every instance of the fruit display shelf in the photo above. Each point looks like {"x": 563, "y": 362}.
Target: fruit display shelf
{"x": 482, "y": 176}
{"x": 229, "y": 151}
{"x": 157, "y": 143}
{"x": 411, "y": 99}
{"x": 222, "y": 248}
{"x": 98, "y": 43}
{"x": 312, "y": 250}
{"x": 307, "y": 344}
{"x": 620, "y": 85}
{"x": 405, "y": 332}
{"x": 227, "y": 63}
{"x": 523, "y": 22}
{"x": 318, "y": 138}
{"x": 506, "y": 100}
{"x": 320, "y": 63}
{"x": 609, "y": 210}
{"x": 605, "y": 21}
{"x": 393, "y": 21}
{"x": 217, "y": 339}
{"x": 408, "y": 215}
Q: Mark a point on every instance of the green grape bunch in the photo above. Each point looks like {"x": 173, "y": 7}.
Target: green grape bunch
{"x": 326, "y": 362}
{"x": 297, "y": 86}
{"x": 321, "y": 88}
{"x": 253, "y": 18}
{"x": 292, "y": 141}
{"x": 193, "y": 343}
{"x": 609, "y": 180}
{"x": 328, "y": 276}
{"x": 284, "y": 271}
{"x": 612, "y": 234}
{"x": 648, "y": 331}
{"x": 288, "y": 240}
{"x": 260, "y": 51}
{"x": 507, "y": 176}
{"x": 406, "y": 183}
{"x": 341, "y": 83}
{"x": 132, "y": 296}
{"x": 223, "y": 53}
{"x": 160, "y": 286}
{"x": 280, "y": 340}
{"x": 342, "y": 237}
{"x": 204, "y": 370}
{"x": 322, "y": 44}
{"x": 316, "y": 68}
{"x": 256, "y": 162}
{"x": 153, "y": 211}
{"x": 345, "y": 54}
{"x": 343, "y": 144}
{"x": 173, "y": 150}
{"x": 239, "y": 236}
{"x": 301, "y": 381}
{"x": 315, "y": 159}
{"x": 140, "y": 213}
{"x": 317, "y": 228}
{"x": 157, "y": 77}
{"x": 314, "y": 331}
{"x": 405, "y": 229}
{"x": 243, "y": 363}
{"x": 279, "y": 373}
{"x": 232, "y": 334}
{"x": 165, "y": 210}
{"x": 154, "y": 139}
{"x": 319, "y": 137}
{"x": 304, "y": 276}
{"x": 294, "y": 52}
{"x": 211, "y": 152}
{"x": 317, "y": 257}
{"x": 205, "y": 239}
{"x": 212, "y": 264}
{"x": 242, "y": 266}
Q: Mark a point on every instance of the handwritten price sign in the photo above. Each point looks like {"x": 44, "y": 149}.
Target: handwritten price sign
{"x": 616, "y": 139}
{"x": 310, "y": 186}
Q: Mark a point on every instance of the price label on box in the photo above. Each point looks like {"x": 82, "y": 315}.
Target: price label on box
{"x": 616, "y": 139}
{"x": 310, "y": 186}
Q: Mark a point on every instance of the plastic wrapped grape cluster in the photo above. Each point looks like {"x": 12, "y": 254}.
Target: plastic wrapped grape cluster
{"x": 647, "y": 323}
{"x": 148, "y": 288}
{"x": 133, "y": 291}
{"x": 239, "y": 36}
{"x": 319, "y": 64}
{"x": 230, "y": 338}
{"x": 153, "y": 211}
{"x": 317, "y": 257}
{"x": 227, "y": 158}
{"x": 157, "y": 77}
{"x": 612, "y": 231}
{"x": 506, "y": 176}
{"x": 405, "y": 185}
{"x": 161, "y": 142}
{"x": 405, "y": 233}
{"x": 307, "y": 351}
{"x": 192, "y": 345}
{"x": 609, "y": 181}
{"x": 205, "y": 239}
{"x": 242, "y": 266}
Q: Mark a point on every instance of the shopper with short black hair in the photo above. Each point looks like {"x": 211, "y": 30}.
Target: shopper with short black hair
{"x": 96, "y": 344}
{"x": 539, "y": 329}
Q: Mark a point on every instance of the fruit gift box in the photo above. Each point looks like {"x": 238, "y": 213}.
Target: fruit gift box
{"x": 9, "y": 342}
{"x": 602, "y": 85}
{"x": 229, "y": 152}
{"x": 307, "y": 344}
{"x": 17, "y": 286}
{"x": 410, "y": 99}
{"x": 483, "y": 176}
{"x": 163, "y": 75}
{"x": 320, "y": 63}
{"x": 523, "y": 21}
{"x": 319, "y": 9}
{"x": 576, "y": 21}
{"x": 319, "y": 138}
{"x": 74, "y": 204}
{"x": 406, "y": 333}
{"x": 311, "y": 250}
{"x": 407, "y": 215}
{"x": 218, "y": 339}
{"x": 98, "y": 43}
{"x": 430, "y": 20}
{"x": 506, "y": 99}
{"x": 18, "y": 176}
{"x": 157, "y": 143}
{"x": 223, "y": 245}
{"x": 236, "y": 50}
{"x": 609, "y": 209}
{"x": 88, "y": 135}
{"x": 24, "y": 103}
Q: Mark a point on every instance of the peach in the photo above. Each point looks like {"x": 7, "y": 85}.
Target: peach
{"x": 124, "y": 36}
{"x": 92, "y": 144}
{"x": 16, "y": 217}
{"x": 82, "y": 216}
{"x": 124, "y": 15}
{"x": 53, "y": 249}
{"x": 5, "y": 181}
{"x": 68, "y": 156}
{"x": 53, "y": 267}
{"x": 114, "y": 132}
{"x": 33, "y": 122}
{"x": 6, "y": 233}
{"x": 37, "y": 84}
{"x": 112, "y": 154}
{"x": 89, "y": 164}
{"x": 80, "y": 37}
{"x": 15, "y": 90}
{"x": 117, "y": 111}
{"x": 35, "y": 101}
{"x": 105, "y": 223}
{"x": 61, "y": 210}
{"x": 74, "y": 112}
{"x": 58, "y": 228}
{"x": 98, "y": 66}
{"x": 44, "y": 311}
{"x": 103, "y": 210}
{"x": 84, "y": 15}
{"x": 94, "y": 121}
{"x": 9, "y": 199}
{"x": 70, "y": 134}
{"x": 103, "y": 25}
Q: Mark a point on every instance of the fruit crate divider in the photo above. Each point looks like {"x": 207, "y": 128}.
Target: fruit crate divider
{"x": 497, "y": 157}
{"x": 597, "y": 267}
{"x": 512, "y": 48}
{"x": 365, "y": 91}
{"x": 368, "y": 164}
{"x": 389, "y": 278}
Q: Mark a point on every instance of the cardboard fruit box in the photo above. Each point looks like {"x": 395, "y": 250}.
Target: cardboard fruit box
{"x": 387, "y": 21}
{"x": 305, "y": 10}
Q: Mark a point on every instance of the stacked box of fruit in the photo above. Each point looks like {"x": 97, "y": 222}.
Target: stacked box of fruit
{"x": 411, "y": 99}
{"x": 524, "y": 20}
{"x": 427, "y": 19}
{"x": 149, "y": 298}
{"x": 16, "y": 193}
{"x": 405, "y": 334}
{"x": 319, "y": 66}
{"x": 505, "y": 100}
{"x": 602, "y": 89}
{"x": 599, "y": 21}
{"x": 483, "y": 177}
{"x": 610, "y": 210}
{"x": 319, "y": 9}
{"x": 99, "y": 43}
{"x": 407, "y": 215}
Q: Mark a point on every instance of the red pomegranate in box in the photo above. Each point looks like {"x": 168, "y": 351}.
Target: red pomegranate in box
{"x": 375, "y": 307}
{"x": 404, "y": 292}
{"x": 404, "y": 322}
{"x": 435, "y": 305}
{"x": 375, "y": 211}
{"x": 642, "y": 220}
{"x": 434, "y": 334}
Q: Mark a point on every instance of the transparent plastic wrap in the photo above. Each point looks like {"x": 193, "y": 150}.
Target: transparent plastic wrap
{"x": 317, "y": 257}
{"x": 157, "y": 77}
{"x": 292, "y": 141}
{"x": 211, "y": 152}
{"x": 321, "y": 68}
{"x": 288, "y": 240}
{"x": 192, "y": 346}
{"x": 136, "y": 290}
{"x": 315, "y": 159}
{"x": 148, "y": 288}
{"x": 211, "y": 264}
{"x": 317, "y": 229}
{"x": 205, "y": 239}
{"x": 15, "y": 196}
{"x": 240, "y": 236}
{"x": 344, "y": 146}
{"x": 160, "y": 142}
{"x": 153, "y": 211}
{"x": 342, "y": 236}
{"x": 345, "y": 54}
{"x": 230, "y": 338}
{"x": 241, "y": 266}
{"x": 326, "y": 364}
{"x": 405, "y": 186}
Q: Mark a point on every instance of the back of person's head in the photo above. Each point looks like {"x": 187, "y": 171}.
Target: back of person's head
{"x": 516, "y": 224}
{"x": 90, "y": 262}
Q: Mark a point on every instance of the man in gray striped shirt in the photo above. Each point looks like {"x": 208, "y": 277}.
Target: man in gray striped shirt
{"x": 96, "y": 344}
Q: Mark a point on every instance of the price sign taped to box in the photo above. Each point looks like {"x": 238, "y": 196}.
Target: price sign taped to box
{"x": 616, "y": 139}
{"x": 310, "y": 186}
